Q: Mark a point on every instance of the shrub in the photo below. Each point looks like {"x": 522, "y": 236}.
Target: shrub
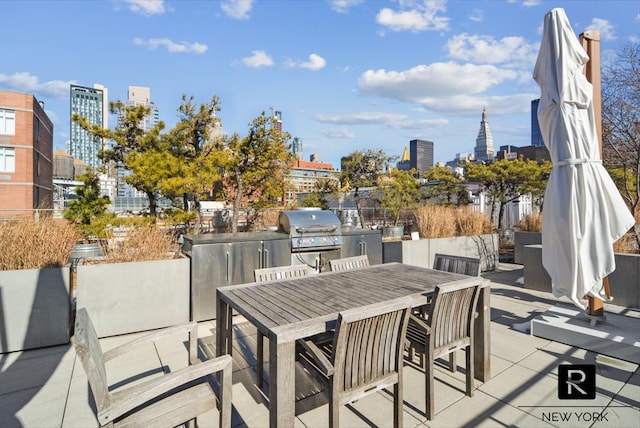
{"x": 531, "y": 223}
{"x": 435, "y": 221}
{"x": 471, "y": 223}
{"x": 29, "y": 244}
{"x": 139, "y": 244}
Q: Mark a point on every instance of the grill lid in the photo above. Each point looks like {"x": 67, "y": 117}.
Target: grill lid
{"x": 311, "y": 228}
{"x": 309, "y": 221}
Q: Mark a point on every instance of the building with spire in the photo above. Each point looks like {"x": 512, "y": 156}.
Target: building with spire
{"x": 484, "y": 150}
{"x": 404, "y": 164}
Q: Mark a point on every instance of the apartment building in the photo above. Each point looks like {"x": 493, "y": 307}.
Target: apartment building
{"x": 26, "y": 156}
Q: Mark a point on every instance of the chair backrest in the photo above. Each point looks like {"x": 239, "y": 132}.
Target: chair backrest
{"x": 451, "y": 315}
{"x": 349, "y": 263}
{"x": 281, "y": 272}
{"x": 368, "y": 346}
{"x": 457, "y": 264}
{"x": 90, "y": 353}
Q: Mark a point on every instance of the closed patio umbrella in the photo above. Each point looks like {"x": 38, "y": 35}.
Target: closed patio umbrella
{"x": 584, "y": 213}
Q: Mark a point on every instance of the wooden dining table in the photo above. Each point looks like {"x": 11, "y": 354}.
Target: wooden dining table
{"x": 290, "y": 309}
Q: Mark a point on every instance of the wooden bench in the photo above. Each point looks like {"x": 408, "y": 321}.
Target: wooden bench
{"x": 349, "y": 263}
{"x": 172, "y": 399}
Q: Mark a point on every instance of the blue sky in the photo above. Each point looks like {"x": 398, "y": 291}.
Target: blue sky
{"x": 346, "y": 74}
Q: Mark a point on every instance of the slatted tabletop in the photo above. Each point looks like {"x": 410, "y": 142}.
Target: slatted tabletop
{"x": 294, "y": 304}
{"x": 289, "y": 309}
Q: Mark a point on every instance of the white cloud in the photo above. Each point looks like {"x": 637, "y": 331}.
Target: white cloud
{"x": 487, "y": 50}
{"x": 171, "y": 46}
{"x": 470, "y": 105}
{"x": 415, "y": 16}
{"x": 258, "y": 59}
{"x": 238, "y": 9}
{"x": 526, "y": 3}
{"x": 343, "y": 6}
{"x": 391, "y": 120}
{"x": 476, "y": 15}
{"x": 146, "y": 7}
{"x": 28, "y": 83}
{"x": 338, "y": 133}
{"x": 437, "y": 80}
{"x": 604, "y": 27}
{"x": 315, "y": 63}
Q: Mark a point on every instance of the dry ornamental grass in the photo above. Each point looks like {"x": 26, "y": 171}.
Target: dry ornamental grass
{"x": 437, "y": 221}
{"x": 140, "y": 244}
{"x": 27, "y": 244}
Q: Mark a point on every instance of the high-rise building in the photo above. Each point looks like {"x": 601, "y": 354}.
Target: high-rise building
{"x": 141, "y": 95}
{"x": 296, "y": 147}
{"x": 420, "y": 155}
{"x": 484, "y": 150}
{"x": 92, "y": 104}
{"x": 536, "y": 134}
{"x": 26, "y": 154}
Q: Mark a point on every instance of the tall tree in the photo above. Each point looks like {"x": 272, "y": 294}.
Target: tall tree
{"x": 323, "y": 188}
{"x": 362, "y": 169}
{"x": 255, "y": 168}
{"x": 198, "y": 149}
{"x": 621, "y": 124}
{"x": 399, "y": 191}
{"x": 142, "y": 152}
{"x": 446, "y": 186}
{"x": 505, "y": 180}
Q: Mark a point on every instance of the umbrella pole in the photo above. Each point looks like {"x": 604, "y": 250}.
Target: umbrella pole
{"x": 590, "y": 41}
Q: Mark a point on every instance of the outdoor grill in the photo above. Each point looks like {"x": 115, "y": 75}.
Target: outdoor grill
{"x": 316, "y": 236}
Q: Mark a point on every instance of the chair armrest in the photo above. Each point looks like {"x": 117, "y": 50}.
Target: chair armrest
{"x": 323, "y": 363}
{"x": 421, "y": 323}
{"x": 191, "y": 328}
{"x": 127, "y": 399}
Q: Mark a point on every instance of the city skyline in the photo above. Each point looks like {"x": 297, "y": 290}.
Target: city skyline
{"x": 346, "y": 75}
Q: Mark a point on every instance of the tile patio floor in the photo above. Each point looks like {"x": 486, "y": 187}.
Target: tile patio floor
{"x": 48, "y": 388}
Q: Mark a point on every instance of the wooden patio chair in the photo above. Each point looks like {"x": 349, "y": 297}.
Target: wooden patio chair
{"x": 273, "y": 274}
{"x": 173, "y": 399}
{"x": 365, "y": 355}
{"x": 457, "y": 264}
{"x": 349, "y": 263}
{"x": 447, "y": 328}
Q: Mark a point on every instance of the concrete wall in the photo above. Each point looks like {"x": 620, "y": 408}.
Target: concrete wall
{"x": 34, "y": 308}
{"x": 624, "y": 281}
{"x": 421, "y": 252}
{"x": 130, "y": 297}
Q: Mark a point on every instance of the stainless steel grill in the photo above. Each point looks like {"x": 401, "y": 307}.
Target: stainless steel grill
{"x": 311, "y": 229}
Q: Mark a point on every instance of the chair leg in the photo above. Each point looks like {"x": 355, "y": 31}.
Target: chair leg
{"x": 429, "y": 379}
{"x": 398, "y": 403}
{"x": 260, "y": 359}
{"x": 470, "y": 369}
{"x": 334, "y": 407}
{"x": 453, "y": 365}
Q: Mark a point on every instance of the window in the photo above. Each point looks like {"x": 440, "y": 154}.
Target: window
{"x": 7, "y": 122}
{"x": 7, "y": 159}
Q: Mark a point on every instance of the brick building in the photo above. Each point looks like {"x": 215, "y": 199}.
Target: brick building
{"x": 26, "y": 155}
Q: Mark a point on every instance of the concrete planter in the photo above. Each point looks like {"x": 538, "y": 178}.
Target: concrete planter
{"x": 520, "y": 240}
{"x": 624, "y": 281}
{"x": 137, "y": 296}
{"x": 422, "y": 252}
{"x": 34, "y": 308}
